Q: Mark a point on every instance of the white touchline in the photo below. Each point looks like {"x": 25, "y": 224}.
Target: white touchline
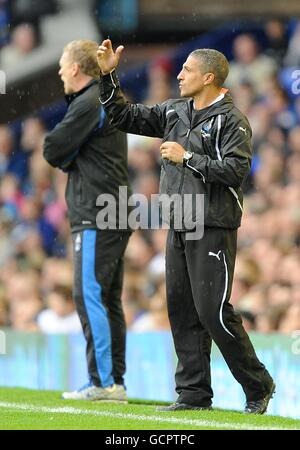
{"x": 130, "y": 416}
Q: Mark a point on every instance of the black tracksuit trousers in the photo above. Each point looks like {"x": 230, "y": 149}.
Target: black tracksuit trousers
{"x": 199, "y": 275}
{"x": 98, "y": 277}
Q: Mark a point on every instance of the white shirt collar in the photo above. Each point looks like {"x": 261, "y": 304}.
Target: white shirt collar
{"x": 220, "y": 97}
{"x": 217, "y": 99}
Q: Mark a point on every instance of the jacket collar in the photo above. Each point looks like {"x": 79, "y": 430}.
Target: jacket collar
{"x": 70, "y": 97}
{"x": 220, "y": 107}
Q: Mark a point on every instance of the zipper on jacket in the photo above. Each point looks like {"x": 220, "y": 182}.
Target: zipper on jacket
{"x": 183, "y": 168}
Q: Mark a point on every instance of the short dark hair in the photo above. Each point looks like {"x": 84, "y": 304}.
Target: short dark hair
{"x": 213, "y": 61}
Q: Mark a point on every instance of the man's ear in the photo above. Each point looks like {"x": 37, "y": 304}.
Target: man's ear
{"x": 209, "y": 78}
{"x": 75, "y": 69}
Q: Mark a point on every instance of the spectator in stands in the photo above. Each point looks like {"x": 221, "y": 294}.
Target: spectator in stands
{"x": 156, "y": 318}
{"x": 60, "y": 316}
{"x": 254, "y": 301}
{"x": 250, "y": 65}
{"x": 159, "y": 81}
{"x": 247, "y": 275}
{"x": 23, "y": 315}
{"x": 23, "y": 41}
{"x": 134, "y": 296}
{"x": 23, "y": 297}
{"x": 31, "y": 11}
{"x": 22, "y": 285}
{"x": 275, "y": 31}
{"x": 11, "y": 198}
{"x": 291, "y": 319}
{"x": 33, "y": 131}
{"x": 11, "y": 160}
{"x": 55, "y": 272}
{"x": 277, "y": 101}
{"x": 41, "y": 175}
{"x": 139, "y": 252}
{"x": 244, "y": 96}
{"x": 269, "y": 319}
{"x": 31, "y": 220}
{"x": 141, "y": 156}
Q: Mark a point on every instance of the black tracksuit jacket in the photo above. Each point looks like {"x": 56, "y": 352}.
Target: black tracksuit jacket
{"x": 219, "y": 136}
{"x": 93, "y": 152}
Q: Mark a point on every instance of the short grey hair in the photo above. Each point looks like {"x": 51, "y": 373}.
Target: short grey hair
{"x": 213, "y": 61}
{"x": 84, "y": 53}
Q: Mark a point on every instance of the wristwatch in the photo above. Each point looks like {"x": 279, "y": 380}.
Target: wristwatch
{"x": 187, "y": 156}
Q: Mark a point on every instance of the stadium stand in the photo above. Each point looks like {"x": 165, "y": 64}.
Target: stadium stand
{"x": 35, "y": 250}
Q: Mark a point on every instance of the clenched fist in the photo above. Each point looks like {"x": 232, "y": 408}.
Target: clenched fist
{"x": 172, "y": 151}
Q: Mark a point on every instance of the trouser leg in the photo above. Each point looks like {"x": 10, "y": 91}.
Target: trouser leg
{"x": 109, "y": 272}
{"x": 210, "y": 264}
{"x": 191, "y": 340}
{"x": 98, "y": 273}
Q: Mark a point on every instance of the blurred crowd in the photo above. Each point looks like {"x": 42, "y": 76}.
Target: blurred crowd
{"x": 20, "y": 31}
{"x": 35, "y": 246}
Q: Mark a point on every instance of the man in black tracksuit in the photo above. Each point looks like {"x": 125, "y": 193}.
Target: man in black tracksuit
{"x": 94, "y": 154}
{"x": 206, "y": 150}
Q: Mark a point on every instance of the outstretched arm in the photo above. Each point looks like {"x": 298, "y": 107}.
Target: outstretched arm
{"x": 131, "y": 118}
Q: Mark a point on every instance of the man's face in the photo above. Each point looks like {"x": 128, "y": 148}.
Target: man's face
{"x": 66, "y": 73}
{"x": 191, "y": 79}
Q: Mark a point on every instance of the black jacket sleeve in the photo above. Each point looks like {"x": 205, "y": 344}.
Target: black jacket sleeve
{"x": 131, "y": 118}
{"x": 63, "y": 143}
{"x": 234, "y": 158}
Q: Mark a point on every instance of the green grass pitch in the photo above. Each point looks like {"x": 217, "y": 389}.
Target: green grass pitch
{"x": 23, "y": 409}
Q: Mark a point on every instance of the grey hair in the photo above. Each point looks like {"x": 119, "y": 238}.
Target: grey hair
{"x": 213, "y": 61}
{"x": 84, "y": 52}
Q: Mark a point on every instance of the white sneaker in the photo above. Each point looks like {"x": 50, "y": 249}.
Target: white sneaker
{"x": 114, "y": 393}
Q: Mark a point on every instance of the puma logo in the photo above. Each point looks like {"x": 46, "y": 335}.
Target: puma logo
{"x": 215, "y": 254}
{"x": 244, "y": 130}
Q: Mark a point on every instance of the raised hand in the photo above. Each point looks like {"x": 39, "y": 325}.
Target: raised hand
{"x": 107, "y": 58}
